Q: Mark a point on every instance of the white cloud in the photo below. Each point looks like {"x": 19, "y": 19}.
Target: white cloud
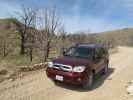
{"x": 102, "y": 23}
{"x": 90, "y": 24}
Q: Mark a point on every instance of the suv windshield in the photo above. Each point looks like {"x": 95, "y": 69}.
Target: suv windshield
{"x": 79, "y": 52}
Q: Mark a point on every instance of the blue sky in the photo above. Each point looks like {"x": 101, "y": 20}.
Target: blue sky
{"x": 81, "y": 15}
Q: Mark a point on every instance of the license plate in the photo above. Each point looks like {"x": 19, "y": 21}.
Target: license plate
{"x": 59, "y": 78}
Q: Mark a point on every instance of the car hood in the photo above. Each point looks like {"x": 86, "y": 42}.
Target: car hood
{"x": 73, "y": 61}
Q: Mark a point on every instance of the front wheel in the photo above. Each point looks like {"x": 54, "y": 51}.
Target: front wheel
{"x": 89, "y": 82}
{"x": 55, "y": 82}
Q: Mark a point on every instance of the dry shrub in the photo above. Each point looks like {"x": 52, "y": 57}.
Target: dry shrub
{"x": 25, "y": 69}
{"x": 3, "y": 72}
{"x": 33, "y": 68}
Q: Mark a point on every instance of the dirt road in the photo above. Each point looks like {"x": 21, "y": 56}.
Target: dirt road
{"x": 112, "y": 86}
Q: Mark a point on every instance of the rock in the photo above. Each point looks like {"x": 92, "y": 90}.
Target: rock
{"x": 130, "y": 88}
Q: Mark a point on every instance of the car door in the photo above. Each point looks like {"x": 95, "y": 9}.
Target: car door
{"x": 98, "y": 60}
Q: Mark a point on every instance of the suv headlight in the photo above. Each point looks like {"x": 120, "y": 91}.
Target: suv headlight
{"x": 50, "y": 64}
{"x": 79, "y": 69}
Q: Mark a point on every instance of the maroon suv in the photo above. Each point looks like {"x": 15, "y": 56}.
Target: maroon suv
{"x": 79, "y": 64}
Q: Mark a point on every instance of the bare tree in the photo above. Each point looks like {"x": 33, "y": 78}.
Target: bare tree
{"x": 61, "y": 38}
{"x": 27, "y": 17}
{"x": 3, "y": 46}
{"x": 6, "y": 44}
{"x": 30, "y": 43}
{"x": 49, "y": 28}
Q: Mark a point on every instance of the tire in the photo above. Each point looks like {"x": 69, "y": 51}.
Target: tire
{"x": 88, "y": 84}
{"x": 105, "y": 70}
{"x": 56, "y": 82}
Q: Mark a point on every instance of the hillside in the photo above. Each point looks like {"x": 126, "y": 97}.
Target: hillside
{"x": 8, "y": 29}
{"x": 10, "y": 41}
{"x": 123, "y": 34}
{"x": 117, "y": 37}
{"x": 9, "y": 24}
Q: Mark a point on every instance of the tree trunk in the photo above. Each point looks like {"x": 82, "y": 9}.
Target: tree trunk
{"x": 46, "y": 55}
{"x": 4, "y": 49}
{"x": 31, "y": 56}
{"x": 22, "y": 49}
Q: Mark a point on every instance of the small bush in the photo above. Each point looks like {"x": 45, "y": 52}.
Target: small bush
{"x": 3, "y": 72}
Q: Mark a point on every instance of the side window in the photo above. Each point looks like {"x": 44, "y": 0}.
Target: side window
{"x": 104, "y": 51}
{"x": 98, "y": 53}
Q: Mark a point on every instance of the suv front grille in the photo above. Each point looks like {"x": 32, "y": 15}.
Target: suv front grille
{"x": 63, "y": 67}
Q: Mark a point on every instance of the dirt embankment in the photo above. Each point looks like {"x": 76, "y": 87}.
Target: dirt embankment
{"x": 36, "y": 86}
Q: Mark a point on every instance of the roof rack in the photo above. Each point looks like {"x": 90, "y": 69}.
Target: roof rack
{"x": 89, "y": 45}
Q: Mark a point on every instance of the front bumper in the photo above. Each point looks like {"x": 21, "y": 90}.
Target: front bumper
{"x": 68, "y": 77}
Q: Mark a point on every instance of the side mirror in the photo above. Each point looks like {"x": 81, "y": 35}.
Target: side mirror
{"x": 63, "y": 51}
{"x": 96, "y": 57}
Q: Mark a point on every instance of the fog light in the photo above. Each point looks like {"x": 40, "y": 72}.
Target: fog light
{"x": 79, "y": 79}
